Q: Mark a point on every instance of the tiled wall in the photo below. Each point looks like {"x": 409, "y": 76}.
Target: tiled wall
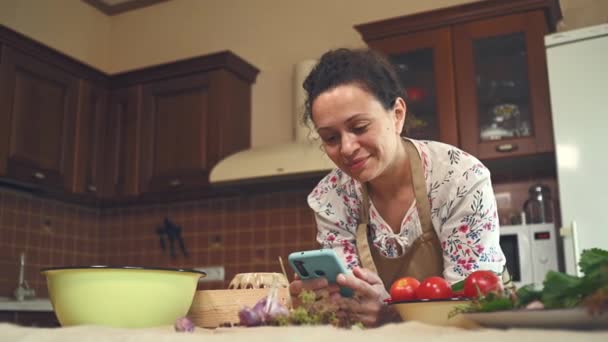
{"x": 244, "y": 234}
{"x": 50, "y": 233}
{"x": 512, "y": 196}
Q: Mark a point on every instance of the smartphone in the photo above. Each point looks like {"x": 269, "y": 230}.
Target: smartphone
{"x": 319, "y": 263}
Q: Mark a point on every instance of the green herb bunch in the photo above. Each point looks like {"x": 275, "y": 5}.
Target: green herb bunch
{"x": 317, "y": 310}
{"x": 560, "y": 290}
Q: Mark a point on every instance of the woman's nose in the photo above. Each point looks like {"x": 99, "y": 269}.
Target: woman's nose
{"x": 348, "y": 145}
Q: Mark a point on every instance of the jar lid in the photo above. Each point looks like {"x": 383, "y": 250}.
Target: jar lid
{"x": 539, "y": 188}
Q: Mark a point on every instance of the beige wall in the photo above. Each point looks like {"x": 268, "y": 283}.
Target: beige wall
{"x": 273, "y": 35}
{"x": 581, "y": 13}
{"x": 69, "y": 26}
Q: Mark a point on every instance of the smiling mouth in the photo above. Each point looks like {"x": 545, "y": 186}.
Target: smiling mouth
{"x": 356, "y": 164}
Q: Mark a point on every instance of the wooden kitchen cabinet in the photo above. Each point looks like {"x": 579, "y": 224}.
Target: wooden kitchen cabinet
{"x": 475, "y": 74}
{"x": 189, "y": 122}
{"x": 91, "y": 128}
{"x": 38, "y": 102}
{"x": 175, "y": 132}
{"x": 502, "y": 83}
{"x": 425, "y": 65}
{"x": 80, "y": 135}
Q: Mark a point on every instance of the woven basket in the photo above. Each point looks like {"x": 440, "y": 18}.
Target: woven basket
{"x": 212, "y": 308}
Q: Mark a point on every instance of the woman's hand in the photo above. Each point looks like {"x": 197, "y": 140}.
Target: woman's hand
{"x": 367, "y": 305}
{"x": 319, "y": 286}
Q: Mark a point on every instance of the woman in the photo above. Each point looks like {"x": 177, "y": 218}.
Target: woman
{"x": 393, "y": 206}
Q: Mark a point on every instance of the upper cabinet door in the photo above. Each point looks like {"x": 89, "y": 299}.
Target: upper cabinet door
{"x": 38, "y": 102}
{"x": 424, "y": 62}
{"x": 91, "y": 122}
{"x": 503, "y": 98}
{"x": 174, "y": 133}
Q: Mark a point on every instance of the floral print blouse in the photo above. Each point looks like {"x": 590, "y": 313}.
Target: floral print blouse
{"x": 463, "y": 212}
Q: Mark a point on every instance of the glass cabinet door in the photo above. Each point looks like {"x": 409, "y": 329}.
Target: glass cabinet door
{"x": 503, "y": 100}
{"x": 424, "y": 64}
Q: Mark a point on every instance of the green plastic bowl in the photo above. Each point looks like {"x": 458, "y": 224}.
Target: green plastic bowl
{"x": 126, "y": 297}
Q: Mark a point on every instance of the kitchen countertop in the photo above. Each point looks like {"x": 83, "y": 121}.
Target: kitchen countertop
{"x": 36, "y": 304}
{"x": 412, "y": 331}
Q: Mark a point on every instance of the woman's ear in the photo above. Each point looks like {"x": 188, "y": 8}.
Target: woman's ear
{"x": 400, "y": 111}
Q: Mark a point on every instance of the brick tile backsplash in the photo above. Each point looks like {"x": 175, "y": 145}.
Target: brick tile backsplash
{"x": 244, "y": 234}
{"x": 50, "y": 233}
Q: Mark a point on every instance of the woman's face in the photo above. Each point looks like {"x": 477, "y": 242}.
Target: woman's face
{"x": 358, "y": 134}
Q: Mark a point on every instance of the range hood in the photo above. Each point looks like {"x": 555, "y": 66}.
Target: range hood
{"x": 303, "y": 155}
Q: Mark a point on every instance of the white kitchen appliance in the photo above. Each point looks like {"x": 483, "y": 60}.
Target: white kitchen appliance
{"x": 530, "y": 250}
{"x": 577, "y": 62}
{"x": 303, "y": 155}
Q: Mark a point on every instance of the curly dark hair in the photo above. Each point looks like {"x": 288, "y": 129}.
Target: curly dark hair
{"x": 367, "y": 68}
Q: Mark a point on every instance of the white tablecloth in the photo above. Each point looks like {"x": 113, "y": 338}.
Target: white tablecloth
{"x": 410, "y": 331}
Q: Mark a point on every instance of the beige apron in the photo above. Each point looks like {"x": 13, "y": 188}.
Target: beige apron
{"x": 424, "y": 257}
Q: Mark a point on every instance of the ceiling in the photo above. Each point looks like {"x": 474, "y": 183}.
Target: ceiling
{"x": 113, "y": 7}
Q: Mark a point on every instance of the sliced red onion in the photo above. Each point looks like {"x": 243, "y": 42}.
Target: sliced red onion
{"x": 249, "y": 318}
{"x": 184, "y": 324}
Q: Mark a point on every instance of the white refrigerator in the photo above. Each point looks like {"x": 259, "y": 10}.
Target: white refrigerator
{"x": 578, "y": 73}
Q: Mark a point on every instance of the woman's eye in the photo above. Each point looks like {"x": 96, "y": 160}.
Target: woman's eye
{"x": 330, "y": 140}
{"x": 359, "y": 129}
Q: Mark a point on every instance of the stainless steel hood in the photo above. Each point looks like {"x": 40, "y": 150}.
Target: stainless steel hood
{"x": 302, "y": 155}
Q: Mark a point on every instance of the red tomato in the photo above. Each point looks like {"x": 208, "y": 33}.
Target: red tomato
{"x": 404, "y": 289}
{"x": 434, "y": 288}
{"x": 458, "y": 293}
{"x": 481, "y": 282}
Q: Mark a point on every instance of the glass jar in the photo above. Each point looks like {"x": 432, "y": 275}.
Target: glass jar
{"x": 539, "y": 205}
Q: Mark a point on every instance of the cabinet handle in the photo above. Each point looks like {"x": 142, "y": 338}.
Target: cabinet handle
{"x": 39, "y": 175}
{"x": 506, "y": 147}
{"x": 92, "y": 188}
{"x": 175, "y": 183}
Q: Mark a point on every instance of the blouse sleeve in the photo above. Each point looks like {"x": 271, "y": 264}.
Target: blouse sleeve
{"x": 336, "y": 206}
{"x": 469, "y": 233}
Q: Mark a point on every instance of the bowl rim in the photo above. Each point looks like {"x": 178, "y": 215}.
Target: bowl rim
{"x": 451, "y": 299}
{"x": 111, "y": 267}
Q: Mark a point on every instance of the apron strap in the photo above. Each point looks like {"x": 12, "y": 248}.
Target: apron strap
{"x": 365, "y": 254}
{"x": 422, "y": 200}
{"x": 397, "y": 265}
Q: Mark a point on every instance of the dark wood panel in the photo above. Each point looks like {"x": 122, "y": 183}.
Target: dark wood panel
{"x": 41, "y": 103}
{"x": 440, "y": 41}
{"x": 229, "y": 132}
{"x": 122, "y": 152}
{"x": 220, "y": 60}
{"x": 5, "y": 118}
{"x": 90, "y": 124}
{"x": 174, "y": 132}
{"x": 30, "y": 318}
{"x": 459, "y": 14}
{"x": 37, "y": 319}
